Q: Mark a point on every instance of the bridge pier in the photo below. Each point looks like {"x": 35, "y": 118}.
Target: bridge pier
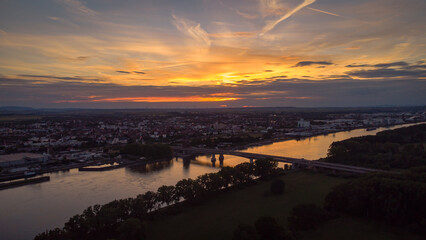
{"x": 213, "y": 160}
{"x": 221, "y": 159}
{"x": 251, "y": 160}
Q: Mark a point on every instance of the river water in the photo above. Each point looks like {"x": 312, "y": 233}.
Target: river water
{"x": 28, "y": 210}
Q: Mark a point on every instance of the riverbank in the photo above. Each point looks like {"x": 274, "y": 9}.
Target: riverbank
{"x": 24, "y": 182}
{"x": 81, "y": 167}
{"x": 218, "y": 217}
{"x": 94, "y": 168}
{"x": 288, "y": 138}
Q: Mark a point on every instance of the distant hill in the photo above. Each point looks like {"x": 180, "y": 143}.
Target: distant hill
{"x": 15, "y": 108}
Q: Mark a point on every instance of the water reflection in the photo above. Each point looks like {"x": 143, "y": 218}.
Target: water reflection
{"x": 48, "y": 205}
{"x": 151, "y": 167}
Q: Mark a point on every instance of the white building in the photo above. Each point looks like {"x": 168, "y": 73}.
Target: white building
{"x": 303, "y": 124}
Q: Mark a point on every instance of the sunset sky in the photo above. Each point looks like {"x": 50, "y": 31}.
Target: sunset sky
{"x": 212, "y": 53}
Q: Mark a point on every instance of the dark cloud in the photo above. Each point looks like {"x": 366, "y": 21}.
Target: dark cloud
{"x": 309, "y": 63}
{"x": 380, "y": 65}
{"x": 420, "y": 66}
{"x": 338, "y": 76}
{"x": 75, "y": 78}
{"x": 393, "y": 64}
{"x": 387, "y": 73}
{"x": 269, "y": 70}
{"x": 277, "y": 92}
{"x": 388, "y": 70}
{"x": 358, "y": 65}
{"x": 82, "y": 58}
{"x": 125, "y": 72}
{"x": 137, "y": 72}
{"x": 276, "y": 77}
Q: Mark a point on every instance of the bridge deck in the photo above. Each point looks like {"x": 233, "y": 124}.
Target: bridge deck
{"x": 298, "y": 161}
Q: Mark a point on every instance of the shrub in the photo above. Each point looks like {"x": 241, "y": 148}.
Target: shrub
{"x": 277, "y": 186}
{"x": 305, "y": 217}
{"x": 245, "y": 232}
{"x": 268, "y": 228}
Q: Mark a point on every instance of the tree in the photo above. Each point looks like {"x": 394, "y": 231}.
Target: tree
{"x": 226, "y": 174}
{"x": 305, "y": 217}
{"x": 149, "y": 199}
{"x": 268, "y": 228}
{"x": 185, "y": 188}
{"x": 246, "y": 172}
{"x": 131, "y": 229}
{"x": 165, "y": 194}
{"x": 277, "y": 186}
{"x": 245, "y": 232}
{"x": 264, "y": 167}
{"x": 52, "y": 235}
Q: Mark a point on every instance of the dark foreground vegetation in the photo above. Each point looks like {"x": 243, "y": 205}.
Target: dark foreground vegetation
{"x": 400, "y": 148}
{"x": 125, "y": 218}
{"x": 397, "y": 199}
{"x": 298, "y": 205}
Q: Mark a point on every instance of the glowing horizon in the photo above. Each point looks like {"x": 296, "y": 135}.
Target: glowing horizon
{"x": 184, "y": 51}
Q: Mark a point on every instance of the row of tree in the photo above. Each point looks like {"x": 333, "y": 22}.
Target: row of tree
{"x": 110, "y": 220}
{"x": 399, "y": 148}
{"x": 398, "y": 199}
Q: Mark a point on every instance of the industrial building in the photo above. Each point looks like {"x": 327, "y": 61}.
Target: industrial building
{"x": 20, "y": 159}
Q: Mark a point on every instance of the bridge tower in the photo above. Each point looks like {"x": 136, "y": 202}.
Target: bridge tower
{"x": 221, "y": 158}
{"x": 213, "y": 160}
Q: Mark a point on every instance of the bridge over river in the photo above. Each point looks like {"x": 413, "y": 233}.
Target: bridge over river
{"x": 313, "y": 164}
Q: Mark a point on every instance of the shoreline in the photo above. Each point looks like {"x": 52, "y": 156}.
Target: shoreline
{"x": 283, "y": 139}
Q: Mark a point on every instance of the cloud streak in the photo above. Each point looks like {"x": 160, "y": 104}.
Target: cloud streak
{"x": 191, "y": 29}
{"x": 321, "y": 11}
{"x": 268, "y": 27}
{"x": 78, "y": 7}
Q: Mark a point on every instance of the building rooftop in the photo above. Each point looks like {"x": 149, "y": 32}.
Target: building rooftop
{"x": 18, "y": 156}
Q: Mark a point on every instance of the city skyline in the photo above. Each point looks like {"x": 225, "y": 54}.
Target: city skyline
{"x": 258, "y": 53}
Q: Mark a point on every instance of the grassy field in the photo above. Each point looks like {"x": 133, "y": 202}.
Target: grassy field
{"x": 350, "y": 228}
{"x": 218, "y": 217}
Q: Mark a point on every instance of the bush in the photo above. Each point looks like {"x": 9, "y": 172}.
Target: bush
{"x": 132, "y": 229}
{"x": 305, "y": 217}
{"x": 397, "y": 199}
{"x": 268, "y": 228}
{"x": 245, "y": 232}
{"x": 277, "y": 186}
{"x": 264, "y": 167}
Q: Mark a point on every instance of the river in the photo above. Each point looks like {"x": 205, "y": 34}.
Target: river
{"x": 28, "y": 210}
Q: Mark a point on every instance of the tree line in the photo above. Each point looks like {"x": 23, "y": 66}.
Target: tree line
{"x": 400, "y": 148}
{"x": 397, "y": 199}
{"x": 124, "y": 218}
